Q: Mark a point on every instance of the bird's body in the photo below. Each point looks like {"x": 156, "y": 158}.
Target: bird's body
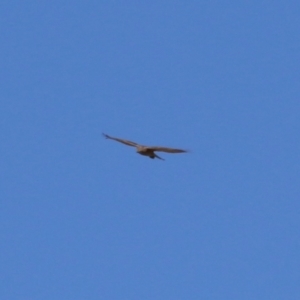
{"x": 146, "y": 150}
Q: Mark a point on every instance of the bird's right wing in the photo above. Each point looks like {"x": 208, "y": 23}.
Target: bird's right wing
{"x": 128, "y": 143}
{"x": 166, "y": 149}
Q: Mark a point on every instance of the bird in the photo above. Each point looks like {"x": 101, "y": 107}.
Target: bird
{"x": 146, "y": 150}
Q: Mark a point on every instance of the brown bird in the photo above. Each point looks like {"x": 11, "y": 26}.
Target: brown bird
{"x": 146, "y": 150}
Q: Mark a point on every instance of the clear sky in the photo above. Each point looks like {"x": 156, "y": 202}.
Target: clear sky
{"x": 82, "y": 217}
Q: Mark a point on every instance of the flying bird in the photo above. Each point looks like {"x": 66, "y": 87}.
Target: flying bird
{"x": 146, "y": 150}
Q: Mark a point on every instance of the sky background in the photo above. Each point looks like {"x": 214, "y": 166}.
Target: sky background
{"x": 82, "y": 217}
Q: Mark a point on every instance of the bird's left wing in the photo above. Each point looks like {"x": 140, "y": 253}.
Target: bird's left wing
{"x": 128, "y": 143}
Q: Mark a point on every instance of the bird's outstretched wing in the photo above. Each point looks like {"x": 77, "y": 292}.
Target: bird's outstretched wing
{"x": 128, "y": 143}
{"x": 168, "y": 150}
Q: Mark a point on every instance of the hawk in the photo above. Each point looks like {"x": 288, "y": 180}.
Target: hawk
{"x": 146, "y": 150}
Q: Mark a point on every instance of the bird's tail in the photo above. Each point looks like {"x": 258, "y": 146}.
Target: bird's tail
{"x": 158, "y": 156}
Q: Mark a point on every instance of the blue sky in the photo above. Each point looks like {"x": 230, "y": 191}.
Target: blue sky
{"x": 87, "y": 218}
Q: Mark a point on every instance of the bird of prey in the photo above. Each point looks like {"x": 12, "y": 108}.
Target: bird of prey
{"x": 146, "y": 150}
